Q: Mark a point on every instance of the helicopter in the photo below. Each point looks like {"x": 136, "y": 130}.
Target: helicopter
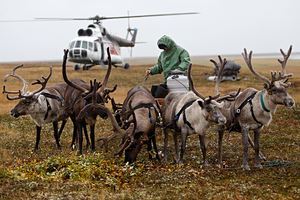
{"x": 88, "y": 48}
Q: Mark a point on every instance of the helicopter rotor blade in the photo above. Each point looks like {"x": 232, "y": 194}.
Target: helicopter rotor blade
{"x": 152, "y": 15}
{"x": 18, "y": 20}
{"x": 98, "y": 18}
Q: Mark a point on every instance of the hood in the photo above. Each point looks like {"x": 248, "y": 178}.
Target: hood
{"x": 166, "y": 40}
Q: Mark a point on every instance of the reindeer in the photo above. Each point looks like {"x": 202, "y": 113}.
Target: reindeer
{"x": 189, "y": 113}
{"x": 44, "y": 105}
{"x": 139, "y": 115}
{"x": 253, "y": 109}
{"x": 82, "y": 97}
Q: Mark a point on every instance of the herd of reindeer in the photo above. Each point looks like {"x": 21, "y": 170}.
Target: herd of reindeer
{"x": 135, "y": 120}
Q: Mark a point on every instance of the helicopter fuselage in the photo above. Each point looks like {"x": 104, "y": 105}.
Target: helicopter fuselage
{"x": 92, "y": 50}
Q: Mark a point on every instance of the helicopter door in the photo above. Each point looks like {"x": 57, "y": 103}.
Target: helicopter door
{"x": 95, "y": 51}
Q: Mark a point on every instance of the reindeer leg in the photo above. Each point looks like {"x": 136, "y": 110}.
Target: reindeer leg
{"x": 183, "y": 144}
{"x": 74, "y": 136}
{"x": 38, "y": 137}
{"x": 149, "y": 148}
{"x": 245, "y": 131}
{"x": 85, "y": 131}
{"x": 203, "y": 147}
{"x": 79, "y": 133}
{"x": 92, "y": 127}
{"x": 153, "y": 139}
{"x": 56, "y": 134}
{"x": 256, "y": 148}
{"x": 261, "y": 155}
{"x": 220, "y": 145}
{"x": 63, "y": 123}
{"x": 165, "y": 157}
{"x": 177, "y": 154}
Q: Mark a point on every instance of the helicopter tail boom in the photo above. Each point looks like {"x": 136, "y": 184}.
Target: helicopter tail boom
{"x": 124, "y": 42}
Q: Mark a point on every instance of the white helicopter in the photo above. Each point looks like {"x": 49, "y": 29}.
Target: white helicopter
{"x": 88, "y": 49}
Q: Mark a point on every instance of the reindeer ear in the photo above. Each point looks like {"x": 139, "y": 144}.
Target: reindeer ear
{"x": 266, "y": 86}
{"x": 201, "y": 104}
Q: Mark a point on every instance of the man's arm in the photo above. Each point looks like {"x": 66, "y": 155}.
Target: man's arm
{"x": 185, "y": 61}
{"x": 157, "y": 68}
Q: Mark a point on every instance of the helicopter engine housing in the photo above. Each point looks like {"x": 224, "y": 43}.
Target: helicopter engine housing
{"x": 87, "y": 32}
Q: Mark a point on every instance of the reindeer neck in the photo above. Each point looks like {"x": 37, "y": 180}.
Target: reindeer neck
{"x": 266, "y": 103}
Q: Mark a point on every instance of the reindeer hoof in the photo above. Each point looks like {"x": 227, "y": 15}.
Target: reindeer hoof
{"x": 205, "y": 164}
{"x": 73, "y": 147}
{"x": 258, "y": 166}
{"x": 246, "y": 167}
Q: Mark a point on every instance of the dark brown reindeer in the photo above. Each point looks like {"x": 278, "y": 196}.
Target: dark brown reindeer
{"x": 253, "y": 109}
{"x": 189, "y": 113}
{"x": 138, "y": 116}
{"x": 44, "y": 105}
{"x": 82, "y": 97}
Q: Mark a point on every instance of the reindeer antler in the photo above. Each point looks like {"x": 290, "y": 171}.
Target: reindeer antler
{"x": 191, "y": 83}
{"x": 64, "y": 73}
{"x": 43, "y": 83}
{"x": 247, "y": 59}
{"x": 19, "y": 92}
{"x": 105, "y": 79}
{"x": 220, "y": 68}
{"x": 285, "y": 59}
{"x": 229, "y": 97}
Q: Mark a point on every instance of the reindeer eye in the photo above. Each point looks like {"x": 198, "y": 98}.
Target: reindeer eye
{"x": 209, "y": 109}
{"x": 25, "y": 101}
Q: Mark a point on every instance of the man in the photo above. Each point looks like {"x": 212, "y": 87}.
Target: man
{"x": 173, "y": 57}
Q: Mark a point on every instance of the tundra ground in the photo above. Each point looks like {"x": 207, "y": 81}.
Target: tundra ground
{"x": 51, "y": 173}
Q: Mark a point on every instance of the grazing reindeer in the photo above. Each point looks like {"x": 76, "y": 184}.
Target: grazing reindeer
{"x": 83, "y": 97}
{"x": 189, "y": 113}
{"x": 44, "y": 105}
{"x": 253, "y": 109}
{"x": 141, "y": 112}
{"x": 92, "y": 109}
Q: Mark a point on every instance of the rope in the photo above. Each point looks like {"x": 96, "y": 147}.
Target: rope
{"x": 180, "y": 83}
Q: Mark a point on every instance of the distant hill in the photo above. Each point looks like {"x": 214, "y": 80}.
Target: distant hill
{"x": 195, "y": 59}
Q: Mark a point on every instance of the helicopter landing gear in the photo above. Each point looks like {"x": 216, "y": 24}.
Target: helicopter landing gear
{"x": 76, "y": 67}
{"x": 126, "y": 66}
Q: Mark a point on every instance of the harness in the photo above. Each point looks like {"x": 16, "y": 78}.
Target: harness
{"x": 51, "y": 96}
{"x": 144, "y": 105}
{"x": 249, "y": 100}
{"x": 182, "y": 111}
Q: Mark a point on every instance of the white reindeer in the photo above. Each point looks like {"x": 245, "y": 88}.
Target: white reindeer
{"x": 44, "y": 105}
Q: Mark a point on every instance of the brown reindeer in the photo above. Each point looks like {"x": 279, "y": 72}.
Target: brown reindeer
{"x": 83, "y": 96}
{"x": 253, "y": 109}
{"x": 139, "y": 115}
{"x": 44, "y": 105}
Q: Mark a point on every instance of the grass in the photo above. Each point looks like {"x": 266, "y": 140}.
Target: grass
{"x": 60, "y": 174}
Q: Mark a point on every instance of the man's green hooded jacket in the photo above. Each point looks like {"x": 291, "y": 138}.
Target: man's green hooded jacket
{"x": 175, "y": 57}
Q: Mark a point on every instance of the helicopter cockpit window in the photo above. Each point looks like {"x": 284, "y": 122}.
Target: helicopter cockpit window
{"x": 95, "y": 47}
{"x": 77, "y": 45}
{"x": 90, "y": 46}
{"x": 84, "y": 45}
{"x": 72, "y": 45}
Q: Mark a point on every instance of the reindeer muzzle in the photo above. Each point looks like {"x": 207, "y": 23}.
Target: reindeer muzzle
{"x": 14, "y": 113}
{"x": 221, "y": 120}
{"x": 289, "y": 102}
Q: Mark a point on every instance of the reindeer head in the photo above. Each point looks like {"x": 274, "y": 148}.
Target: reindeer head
{"x": 210, "y": 105}
{"x": 212, "y": 109}
{"x": 28, "y": 100}
{"x": 277, "y": 86}
{"x": 101, "y": 95}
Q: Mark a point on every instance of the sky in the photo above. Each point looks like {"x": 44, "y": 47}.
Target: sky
{"x": 221, "y": 27}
